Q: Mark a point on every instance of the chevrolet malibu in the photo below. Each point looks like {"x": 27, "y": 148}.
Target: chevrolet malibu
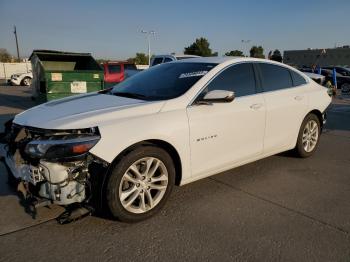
{"x": 124, "y": 149}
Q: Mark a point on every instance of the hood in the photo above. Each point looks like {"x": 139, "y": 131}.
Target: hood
{"x": 84, "y": 111}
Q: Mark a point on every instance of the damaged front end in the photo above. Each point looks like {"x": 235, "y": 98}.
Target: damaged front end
{"x": 52, "y": 166}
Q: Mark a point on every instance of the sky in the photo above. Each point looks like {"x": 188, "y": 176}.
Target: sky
{"x": 111, "y": 29}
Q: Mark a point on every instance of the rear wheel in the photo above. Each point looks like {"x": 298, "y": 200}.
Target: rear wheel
{"x": 308, "y": 137}
{"x": 345, "y": 88}
{"x": 140, "y": 184}
{"x": 26, "y": 81}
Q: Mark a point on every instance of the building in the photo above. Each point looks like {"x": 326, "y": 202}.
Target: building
{"x": 339, "y": 56}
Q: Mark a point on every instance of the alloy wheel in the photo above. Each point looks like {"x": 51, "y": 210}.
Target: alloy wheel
{"x": 310, "y": 136}
{"x": 143, "y": 185}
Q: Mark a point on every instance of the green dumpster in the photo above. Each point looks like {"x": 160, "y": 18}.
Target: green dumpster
{"x": 60, "y": 74}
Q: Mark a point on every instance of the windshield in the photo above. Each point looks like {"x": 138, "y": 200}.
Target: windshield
{"x": 163, "y": 82}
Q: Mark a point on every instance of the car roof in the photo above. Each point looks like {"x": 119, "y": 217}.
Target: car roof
{"x": 232, "y": 59}
{"x": 176, "y": 55}
{"x": 183, "y": 55}
{"x": 223, "y": 59}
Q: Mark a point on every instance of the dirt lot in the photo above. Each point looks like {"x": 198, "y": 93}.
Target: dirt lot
{"x": 277, "y": 209}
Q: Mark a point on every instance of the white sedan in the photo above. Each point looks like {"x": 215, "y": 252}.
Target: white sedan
{"x": 24, "y": 79}
{"x": 125, "y": 148}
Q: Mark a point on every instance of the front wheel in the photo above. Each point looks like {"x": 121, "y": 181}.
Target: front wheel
{"x": 140, "y": 184}
{"x": 308, "y": 137}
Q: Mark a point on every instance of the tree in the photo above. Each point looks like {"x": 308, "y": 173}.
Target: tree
{"x": 257, "y": 51}
{"x": 4, "y": 55}
{"x": 139, "y": 59}
{"x": 234, "y": 53}
{"x": 102, "y": 60}
{"x": 276, "y": 56}
{"x": 200, "y": 47}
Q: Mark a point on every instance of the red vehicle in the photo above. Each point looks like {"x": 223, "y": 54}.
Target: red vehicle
{"x": 116, "y": 72}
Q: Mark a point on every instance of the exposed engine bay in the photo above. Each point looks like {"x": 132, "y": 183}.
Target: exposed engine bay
{"x": 51, "y": 165}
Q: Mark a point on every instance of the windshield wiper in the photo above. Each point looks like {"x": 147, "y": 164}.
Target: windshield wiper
{"x": 130, "y": 95}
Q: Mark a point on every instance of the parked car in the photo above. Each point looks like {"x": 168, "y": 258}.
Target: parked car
{"x": 160, "y": 59}
{"x": 343, "y": 82}
{"x": 320, "y": 79}
{"x": 344, "y": 71}
{"x": 116, "y": 72}
{"x": 169, "y": 125}
{"x": 24, "y": 79}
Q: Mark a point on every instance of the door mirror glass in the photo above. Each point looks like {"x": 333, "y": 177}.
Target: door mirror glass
{"x": 219, "y": 96}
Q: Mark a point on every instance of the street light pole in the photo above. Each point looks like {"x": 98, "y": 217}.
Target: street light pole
{"x": 246, "y": 42}
{"x": 15, "y": 32}
{"x": 149, "y": 33}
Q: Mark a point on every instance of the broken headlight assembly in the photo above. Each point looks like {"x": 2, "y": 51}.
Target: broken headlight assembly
{"x": 61, "y": 148}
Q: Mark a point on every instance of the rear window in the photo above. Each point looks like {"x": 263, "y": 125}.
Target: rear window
{"x": 157, "y": 61}
{"x": 114, "y": 68}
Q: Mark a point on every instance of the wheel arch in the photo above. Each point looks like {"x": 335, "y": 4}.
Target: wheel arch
{"x": 22, "y": 81}
{"x": 318, "y": 114}
{"x": 169, "y": 148}
{"x": 314, "y": 112}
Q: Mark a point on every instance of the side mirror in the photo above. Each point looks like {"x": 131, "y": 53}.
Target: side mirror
{"x": 219, "y": 96}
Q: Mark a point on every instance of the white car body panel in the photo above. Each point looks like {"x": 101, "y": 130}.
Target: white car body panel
{"x": 247, "y": 129}
{"x": 18, "y": 78}
{"x": 285, "y": 110}
{"x": 226, "y": 133}
{"x": 85, "y": 111}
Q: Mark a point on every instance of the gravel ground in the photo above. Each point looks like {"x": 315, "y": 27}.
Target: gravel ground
{"x": 277, "y": 209}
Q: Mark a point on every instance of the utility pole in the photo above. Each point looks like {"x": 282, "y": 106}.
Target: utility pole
{"x": 149, "y": 33}
{"x": 15, "y": 32}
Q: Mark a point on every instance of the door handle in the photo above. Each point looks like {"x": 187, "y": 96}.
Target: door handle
{"x": 298, "y": 98}
{"x": 256, "y": 106}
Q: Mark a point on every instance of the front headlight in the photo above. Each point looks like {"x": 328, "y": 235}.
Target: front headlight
{"x": 61, "y": 148}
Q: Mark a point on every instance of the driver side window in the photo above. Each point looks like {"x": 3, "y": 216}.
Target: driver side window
{"x": 237, "y": 78}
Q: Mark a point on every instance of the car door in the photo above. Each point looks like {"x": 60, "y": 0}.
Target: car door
{"x": 222, "y": 134}
{"x": 286, "y": 105}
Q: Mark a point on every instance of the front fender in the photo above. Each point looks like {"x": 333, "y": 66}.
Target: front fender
{"x": 171, "y": 127}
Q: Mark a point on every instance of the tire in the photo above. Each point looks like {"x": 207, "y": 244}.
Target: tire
{"x": 132, "y": 193}
{"x": 345, "y": 88}
{"x": 309, "y": 136}
{"x": 26, "y": 81}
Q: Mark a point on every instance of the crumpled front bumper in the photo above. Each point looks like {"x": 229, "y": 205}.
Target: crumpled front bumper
{"x": 53, "y": 181}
